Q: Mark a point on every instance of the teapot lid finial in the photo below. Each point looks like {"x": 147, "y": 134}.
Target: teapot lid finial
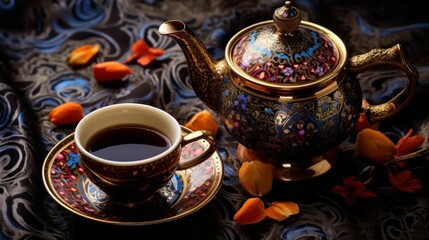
{"x": 287, "y": 19}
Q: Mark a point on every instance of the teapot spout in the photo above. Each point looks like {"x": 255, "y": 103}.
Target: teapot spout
{"x": 205, "y": 72}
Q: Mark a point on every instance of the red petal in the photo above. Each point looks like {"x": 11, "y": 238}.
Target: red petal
{"x": 156, "y": 51}
{"x": 404, "y": 138}
{"x": 405, "y": 182}
{"x": 349, "y": 181}
{"x": 145, "y": 60}
{"x": 131, "y": 58}
{"x": 409, "y": 144}
{"x": 110, "y": 71}
{"x": 339, "y": 189}
{"x": 140, "y": 47}
{"x": 366, "y": 194}
{"x": 362, "y": 123}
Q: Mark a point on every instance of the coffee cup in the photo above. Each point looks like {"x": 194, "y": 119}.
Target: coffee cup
{"x": 131, "y": 150}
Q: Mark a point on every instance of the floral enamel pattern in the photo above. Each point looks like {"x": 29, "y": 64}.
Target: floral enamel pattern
{"x": 292, "y": 130}
{"x": 188, "y": 191}
{"x": 265, "y": 55}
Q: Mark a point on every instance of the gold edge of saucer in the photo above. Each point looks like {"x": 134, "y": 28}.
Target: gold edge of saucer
{"x": 217, "y": 176}
{"x": 46, "y": 174}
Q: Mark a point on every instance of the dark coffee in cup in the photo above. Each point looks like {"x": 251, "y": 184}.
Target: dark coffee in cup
{"x": 127, "y": 143}
{"x": 131, "y": 150}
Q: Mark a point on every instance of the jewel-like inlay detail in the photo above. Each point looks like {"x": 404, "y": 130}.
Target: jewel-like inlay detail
{"x": 265, "y": 55}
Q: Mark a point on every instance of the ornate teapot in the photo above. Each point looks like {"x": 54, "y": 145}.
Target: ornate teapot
{"x": 287, "y": 90}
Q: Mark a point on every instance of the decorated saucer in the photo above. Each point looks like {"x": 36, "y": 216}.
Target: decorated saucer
{"x": 188, "y": 191}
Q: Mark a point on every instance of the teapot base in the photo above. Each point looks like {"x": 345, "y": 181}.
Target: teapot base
{"x": 296, "y": 172}
{"x": 290, "y": 170}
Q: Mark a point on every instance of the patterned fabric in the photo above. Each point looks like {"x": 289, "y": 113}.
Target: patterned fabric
{"x": 35, "y": 37}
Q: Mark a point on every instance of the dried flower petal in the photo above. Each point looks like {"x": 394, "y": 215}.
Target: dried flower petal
{"x": 408, "y": 143}
{"x": 156, "y": 52}
{"x": 362, "y": 122}
{"x": 82, "y": 55}
{"x": 110, "y": 71}
{"x": 405, "y": 182}
{"x": 281, "y": 210}
{"x": 140, "y": 47}
{"x": 244, "y": 154}
{"x": 373, "y": 145}
{"x": 145, "y": 60}
{"x": 252, "y": 211}
{"x": 203, "y": 120}
{"x": 143, "y": 53}
{"x": 132, "y": 58}
{"x": 256, "y": 177}
{"x": 67, "y": 113}
{"x": 351, "y": 189}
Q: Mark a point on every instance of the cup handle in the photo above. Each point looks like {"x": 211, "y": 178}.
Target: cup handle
{"x": 189, "y": 137}
{"x": 391, "y": 56}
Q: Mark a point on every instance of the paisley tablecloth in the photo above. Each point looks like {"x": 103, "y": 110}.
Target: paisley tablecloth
{"x": 35, "y": 37}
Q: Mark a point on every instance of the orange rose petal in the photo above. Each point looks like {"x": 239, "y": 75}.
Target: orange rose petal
{"x": 143, "y": 53}
{"x": 156, "y": 51}
{"x": 110, "y": 71}
{"x": 362, "y": 123}
{"x": 82, "y": 55}
{"x": 244, "y": 154}
{"x": 404, "y": 138}
{"x": 131, "y": 58}
{"x": 409, "y": 144}
{"x": 67, "y": 113}
{"x": 256, "y": 177}
{"x": 252, "y": 211}
{"x": 145, "y": 60}
{"x": 281, "y": 210}
{"x": 373, "y": 145}
{"x": 140, "y": 47}
{"x": 203, "y": 120}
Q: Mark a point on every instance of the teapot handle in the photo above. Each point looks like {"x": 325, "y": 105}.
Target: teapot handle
{"x": 391, "y": 56}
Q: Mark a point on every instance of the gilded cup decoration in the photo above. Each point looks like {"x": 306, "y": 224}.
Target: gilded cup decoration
{"x": 138, "y": 172}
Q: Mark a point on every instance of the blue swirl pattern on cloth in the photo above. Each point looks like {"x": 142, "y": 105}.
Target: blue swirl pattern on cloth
{"x": 35, "y": 37}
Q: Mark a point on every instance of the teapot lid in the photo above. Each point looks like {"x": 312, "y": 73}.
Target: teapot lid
{"x": 286, "y": 53}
